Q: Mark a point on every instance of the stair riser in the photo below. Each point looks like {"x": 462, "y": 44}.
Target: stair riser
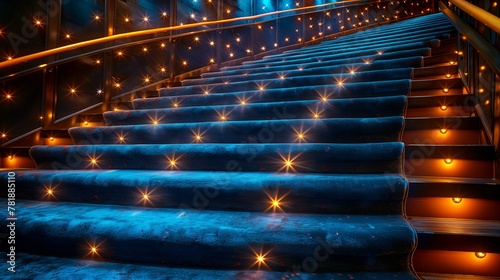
{"x": 312, "y": 158}
{"x": 350, "y": 90}
{"x": 333, "y": 108}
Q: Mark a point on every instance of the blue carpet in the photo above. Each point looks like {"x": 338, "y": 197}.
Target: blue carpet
{"x": 296, "y": 158}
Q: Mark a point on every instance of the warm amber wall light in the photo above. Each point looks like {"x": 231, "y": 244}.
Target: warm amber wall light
{"x": 457, "y": 199}
{"x": 448, "y": 160}
{"x": 480, "y": 255}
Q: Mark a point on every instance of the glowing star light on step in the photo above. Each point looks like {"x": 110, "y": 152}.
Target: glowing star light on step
{"x": 198, "y": 136}
{"x": 146, "y": 196}
{"x": 275, "y": 201}
{"x": 93, "y": 249}
{"x": 173, "y": 162}
{"x": 288, "y": 163}
{"x": 260, "y": 258}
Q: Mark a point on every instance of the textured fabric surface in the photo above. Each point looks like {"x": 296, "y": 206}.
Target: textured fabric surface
{"x": 304, "y": 170}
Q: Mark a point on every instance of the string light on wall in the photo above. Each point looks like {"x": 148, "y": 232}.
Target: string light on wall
{"x": 38, "y": 22}
{"x": 8, "y": 96}
{"x": 96, "y": 17}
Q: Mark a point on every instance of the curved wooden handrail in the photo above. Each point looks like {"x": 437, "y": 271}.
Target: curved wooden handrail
{"x": 479, "y": 14}
{"x": 59, "y": 50}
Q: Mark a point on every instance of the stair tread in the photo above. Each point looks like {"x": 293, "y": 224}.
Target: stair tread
{"x": 318, "y": 157}
{"x": 331, "y": 107}
{"x": 413, "y": 61}
{"x": 306, "y": 92}
{"x": 60, "y": 268}
{"x": 232, "y": 191}
{"x": 262, "y": 85}
{"x": 456, "y": 226}
{"x": 190, "y": 226}
{"x": 344, "y": 130}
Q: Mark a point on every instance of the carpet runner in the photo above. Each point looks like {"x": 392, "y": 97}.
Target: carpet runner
{"x": 289, "y": 167}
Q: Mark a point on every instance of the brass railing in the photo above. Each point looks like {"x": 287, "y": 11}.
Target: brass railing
{"x": 479, "y": 14}
{"x": 479, "y": 63}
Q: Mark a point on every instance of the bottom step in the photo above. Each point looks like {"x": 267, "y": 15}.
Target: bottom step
{"x": 214, "y": 239}
{"x": 36, "y": 267}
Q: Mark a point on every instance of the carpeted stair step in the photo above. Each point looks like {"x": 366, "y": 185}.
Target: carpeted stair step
{"x": 304, "y": 171}
{"x": 404, "y": 51}
{"x": 375, "y": 34}
{"x": 309, "y": 92}
{"x": 231, "y": 191}
{"x": 330, "y": 108}
{"x": 374, "y": 40}
{"x": 215, "y": 239}
{"x": 339, "y": 130}
{"x": 60, "y": 268}
{"x": 300, "y": 157}
{"x": 263, "y": 85}
{"x": 348, "y": 50}
{"x": 408, "y": 28}
{"x": 414, "y": 61}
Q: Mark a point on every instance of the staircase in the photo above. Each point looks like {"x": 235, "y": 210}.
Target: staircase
{"x": 289, "y": 167}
